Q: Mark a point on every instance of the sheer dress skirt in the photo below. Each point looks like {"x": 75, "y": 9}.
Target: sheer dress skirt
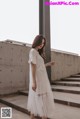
{"x": 41, "y": 104}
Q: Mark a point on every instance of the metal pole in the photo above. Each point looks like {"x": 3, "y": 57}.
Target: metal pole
{"x": 44, "y": 29}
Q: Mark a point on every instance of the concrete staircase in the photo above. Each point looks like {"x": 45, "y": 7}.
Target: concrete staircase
{"x": 66, "y": 92}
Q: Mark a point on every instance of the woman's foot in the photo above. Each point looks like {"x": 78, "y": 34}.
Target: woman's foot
{"x": 44, "y": 117}
{"x": 32, "y": 116}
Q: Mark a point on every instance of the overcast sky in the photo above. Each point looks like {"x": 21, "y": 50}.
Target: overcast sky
{"x": 19, "y": 21}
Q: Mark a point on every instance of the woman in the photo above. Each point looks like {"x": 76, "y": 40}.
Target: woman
{"x": 40, "y": 99}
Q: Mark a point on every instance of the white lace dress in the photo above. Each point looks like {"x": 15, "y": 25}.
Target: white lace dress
{"x": 40, "y": 103}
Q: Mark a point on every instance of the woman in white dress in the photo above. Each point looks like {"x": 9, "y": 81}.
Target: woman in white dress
{"x": 40, "y": 98}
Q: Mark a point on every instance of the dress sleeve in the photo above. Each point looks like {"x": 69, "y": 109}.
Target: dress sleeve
{"x": 32, "y": 57}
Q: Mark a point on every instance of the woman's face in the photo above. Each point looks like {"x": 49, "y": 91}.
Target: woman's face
{"x": 42, "y": 44}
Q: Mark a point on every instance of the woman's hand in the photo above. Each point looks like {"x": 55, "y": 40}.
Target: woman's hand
{"x": 50, "y": 63}
{"x": 34, "y": 87}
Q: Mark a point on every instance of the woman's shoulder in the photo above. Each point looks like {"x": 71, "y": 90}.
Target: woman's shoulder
{"x": 33, "y": 50}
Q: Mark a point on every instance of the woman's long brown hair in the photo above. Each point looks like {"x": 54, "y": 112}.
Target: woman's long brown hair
{"x": 37, "y": 42}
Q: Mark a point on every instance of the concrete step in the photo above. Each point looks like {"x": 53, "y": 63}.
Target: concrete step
{"x": 61, "y": 111}
{"x": 63, "y": 98}
{"x": 66, "y": 89}
{"x": 75, "y": 76}
{"x": 67, "y": 98}
{"x": 15, "y": 113}
{"x": 67, "y": 83}
{"x": 70, "y": 79}
{"x": 15, "y": 101}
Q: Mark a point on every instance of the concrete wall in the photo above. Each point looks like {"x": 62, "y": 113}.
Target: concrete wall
{"x": 14, "y": 68}
{"x": 66, "y": 64}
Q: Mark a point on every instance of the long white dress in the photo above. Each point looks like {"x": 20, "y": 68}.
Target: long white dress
{"x": 40, "y": 103}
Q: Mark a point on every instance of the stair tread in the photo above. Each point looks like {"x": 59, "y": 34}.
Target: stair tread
{"x": 19, "y": 100}
{"x": 76, "y": 75}
{"x": 70, "y": 82}
{"x": 72, "y": 78}
{"x": 67, "y": 97}
{"x": 66, "y": 87}
{"x": 15, "y": 113}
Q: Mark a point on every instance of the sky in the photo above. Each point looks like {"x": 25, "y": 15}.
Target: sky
{"x": 19, "y": 21}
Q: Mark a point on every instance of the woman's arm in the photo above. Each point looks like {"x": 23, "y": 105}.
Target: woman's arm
{"x": 33, "y": 67}
{"x": 50, "y": 63}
